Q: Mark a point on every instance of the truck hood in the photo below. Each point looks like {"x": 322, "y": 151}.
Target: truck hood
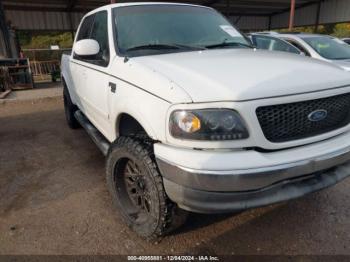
{"x": 244, "y": 74}
{"x": 345, "y": 64}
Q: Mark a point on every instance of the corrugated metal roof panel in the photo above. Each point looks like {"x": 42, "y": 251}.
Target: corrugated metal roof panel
{"x": 331, "y": 11}
{"x": 250, "y": 22}
{"x": 303, "y": 16}
{"x": 37, "y": 20}
{"x": 334, "y": 11}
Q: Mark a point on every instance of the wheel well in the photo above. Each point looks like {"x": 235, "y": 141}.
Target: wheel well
{"x": 63, "y": 81}
{"x": 127, "y": 125}
{"x": 65, "y": 87}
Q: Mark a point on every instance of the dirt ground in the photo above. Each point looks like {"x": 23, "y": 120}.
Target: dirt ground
{"x": 53, "y": 200}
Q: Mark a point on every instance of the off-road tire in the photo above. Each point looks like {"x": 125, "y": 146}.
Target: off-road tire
{"x": 164, "y": 215}
{"x": 69, "y": 109}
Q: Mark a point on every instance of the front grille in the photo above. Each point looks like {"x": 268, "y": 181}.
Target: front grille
{"x": 286, "y": 122}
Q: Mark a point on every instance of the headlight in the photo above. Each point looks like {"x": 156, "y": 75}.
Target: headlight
{"x": 207, "y": 124}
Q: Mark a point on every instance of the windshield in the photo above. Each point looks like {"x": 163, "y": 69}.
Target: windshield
{"x": 154, "y": 29}
{"x": 329, "y": 47}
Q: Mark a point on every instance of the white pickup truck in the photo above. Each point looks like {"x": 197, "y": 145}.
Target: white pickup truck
{"x": 192, "y": 118}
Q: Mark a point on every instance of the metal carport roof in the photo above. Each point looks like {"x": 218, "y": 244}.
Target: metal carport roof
{"x": 246, "y": 14}
{"x": 65, "y": 15}
{"x": 231, "y": 7}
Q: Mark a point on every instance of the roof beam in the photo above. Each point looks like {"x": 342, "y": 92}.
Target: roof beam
{"x": 71, "y": 5}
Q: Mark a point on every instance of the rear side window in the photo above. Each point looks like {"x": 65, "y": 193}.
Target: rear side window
{"x": 85, "y": 29}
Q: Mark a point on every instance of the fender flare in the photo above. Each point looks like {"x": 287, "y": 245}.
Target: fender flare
{"x": 139, "y": 118}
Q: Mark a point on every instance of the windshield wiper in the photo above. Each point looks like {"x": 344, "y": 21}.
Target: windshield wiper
{"x": 163, "y": 47}
{"x": 226, "y": 44}
{"x": 190, "y": 47}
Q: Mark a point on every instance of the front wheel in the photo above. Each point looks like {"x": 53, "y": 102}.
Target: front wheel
{"x": 137, "y": 189}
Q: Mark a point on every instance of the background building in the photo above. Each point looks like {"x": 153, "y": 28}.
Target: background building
{"x": 247, "y": 15}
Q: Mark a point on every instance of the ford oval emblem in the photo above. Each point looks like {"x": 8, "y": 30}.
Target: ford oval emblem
{"x": 317, "y": 115}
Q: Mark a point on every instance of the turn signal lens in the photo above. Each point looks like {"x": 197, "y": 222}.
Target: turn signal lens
{"x": 187, "y": 122}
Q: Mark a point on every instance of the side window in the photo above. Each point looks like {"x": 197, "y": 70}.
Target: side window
{"x": 84, "y": 32}
{"x": 274, "y": 44}
{"x": 99, "y": 32}
{"x": 261, "y": 42}
{"x": 85, "y": 29}
{"x": 96, "y": 27}
{"x": 300, "y": 47}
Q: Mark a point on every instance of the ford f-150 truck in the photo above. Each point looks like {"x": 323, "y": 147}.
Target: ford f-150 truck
{"x": 192, "y": 118}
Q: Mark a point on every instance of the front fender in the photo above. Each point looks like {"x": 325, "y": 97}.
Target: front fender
{"x": 149, "y": 110}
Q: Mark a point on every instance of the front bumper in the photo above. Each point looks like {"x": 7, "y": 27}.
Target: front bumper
{"x": 268, "y": 177}
{"x": 219, "y": 202}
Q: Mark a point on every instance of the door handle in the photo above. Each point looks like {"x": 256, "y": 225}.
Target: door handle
{"x": 113, "y": 87}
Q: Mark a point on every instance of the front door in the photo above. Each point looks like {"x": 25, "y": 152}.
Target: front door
{"x": 94, "y": 89}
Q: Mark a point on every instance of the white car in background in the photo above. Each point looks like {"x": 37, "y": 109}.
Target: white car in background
{"x": 322, "y": 47}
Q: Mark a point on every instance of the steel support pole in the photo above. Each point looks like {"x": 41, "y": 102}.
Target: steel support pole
{"x": 71, "y": 25}
{"x": 270, "y": 22}
{"x": 292, "y": 13}
{"x": 317, "y": 21}
{"x": 5, "y": 31}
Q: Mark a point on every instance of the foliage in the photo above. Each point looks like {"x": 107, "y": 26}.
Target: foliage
{"x": 34, "y": 40}
{"x": 340, "y": 30}
{"x": 304, "y": 29}
{"x": 40, "y": 40}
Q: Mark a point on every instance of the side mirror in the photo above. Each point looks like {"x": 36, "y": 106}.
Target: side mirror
{"x": 86, "y": 47}
{"x": 302, "y": 53}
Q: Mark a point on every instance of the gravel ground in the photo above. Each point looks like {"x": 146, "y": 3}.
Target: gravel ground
{"x": 53, "y": 200}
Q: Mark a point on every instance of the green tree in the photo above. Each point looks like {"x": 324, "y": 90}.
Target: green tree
{"x": 328, "y": 29}
{"x": 342, "y": 30}
{"x": 40, "y": 40}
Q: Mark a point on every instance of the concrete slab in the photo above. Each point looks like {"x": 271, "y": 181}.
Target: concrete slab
{"x": 42, "y": 91}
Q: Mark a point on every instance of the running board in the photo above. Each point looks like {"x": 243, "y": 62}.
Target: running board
{"x": 92, "y": 131}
